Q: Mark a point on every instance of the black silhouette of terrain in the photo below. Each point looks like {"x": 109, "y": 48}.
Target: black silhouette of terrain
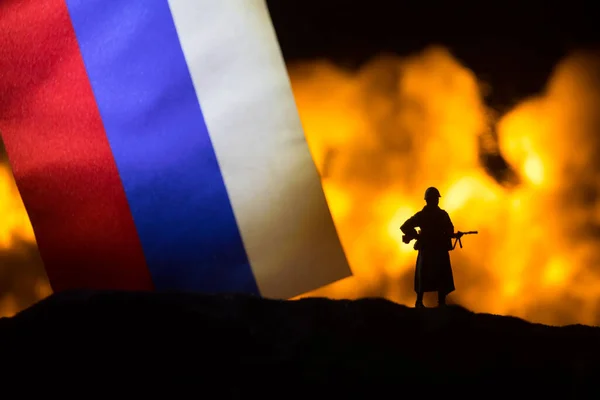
{"x": 81, "y": 343}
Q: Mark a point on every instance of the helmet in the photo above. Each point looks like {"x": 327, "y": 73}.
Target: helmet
{"x": 432, "y": 192}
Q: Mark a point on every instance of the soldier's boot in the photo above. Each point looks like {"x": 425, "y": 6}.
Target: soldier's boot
{"x": 441, "y": 299}
{"x": 419, "y": 302}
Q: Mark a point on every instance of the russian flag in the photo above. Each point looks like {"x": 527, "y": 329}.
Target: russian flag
{"x": 157, "y": 146}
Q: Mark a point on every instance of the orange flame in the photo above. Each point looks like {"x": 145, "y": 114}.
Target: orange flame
{"x": 380, "y": 136}
{"x": 22, "y": 277}
{"x": 15, "y": 223}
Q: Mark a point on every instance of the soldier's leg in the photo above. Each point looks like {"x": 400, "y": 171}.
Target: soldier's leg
{"x": 419, "y": 302}
{"x": 441, "y": 298}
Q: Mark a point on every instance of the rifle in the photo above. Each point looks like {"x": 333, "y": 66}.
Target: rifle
{"x": 459, "y": 235}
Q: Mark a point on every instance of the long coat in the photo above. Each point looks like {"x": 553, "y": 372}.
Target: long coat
{"x": 433, "y": 271}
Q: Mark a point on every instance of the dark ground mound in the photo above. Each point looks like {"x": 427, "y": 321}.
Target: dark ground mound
{"x": 239, "y": 346}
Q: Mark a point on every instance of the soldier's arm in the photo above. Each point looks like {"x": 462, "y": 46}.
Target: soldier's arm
{"x": 408, "y": 227}
{"x": 449, "y": 225}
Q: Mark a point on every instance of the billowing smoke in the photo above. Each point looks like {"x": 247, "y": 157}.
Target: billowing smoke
{"x": 381, "y": 135}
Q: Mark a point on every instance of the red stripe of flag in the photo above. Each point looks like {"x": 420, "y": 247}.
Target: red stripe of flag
{"x": 60, "y": 155}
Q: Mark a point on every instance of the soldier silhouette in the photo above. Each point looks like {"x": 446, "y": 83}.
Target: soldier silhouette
{"x": 433, "y": 272}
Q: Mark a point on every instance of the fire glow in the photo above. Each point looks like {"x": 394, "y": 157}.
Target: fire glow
{"x": 381, "y": 135}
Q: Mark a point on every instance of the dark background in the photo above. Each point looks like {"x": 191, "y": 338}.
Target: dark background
{"x": 511, "y": 46}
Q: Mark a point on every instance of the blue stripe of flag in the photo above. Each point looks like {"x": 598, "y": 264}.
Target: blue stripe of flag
{"x": 161, "y": 145}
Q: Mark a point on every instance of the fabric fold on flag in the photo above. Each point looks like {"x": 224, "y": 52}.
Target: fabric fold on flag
{"x": 157, "y": 146}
